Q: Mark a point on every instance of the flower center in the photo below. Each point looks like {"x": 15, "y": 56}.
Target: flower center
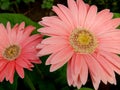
{"x": 83, "y": 41}
{"x": 11, "y": 52}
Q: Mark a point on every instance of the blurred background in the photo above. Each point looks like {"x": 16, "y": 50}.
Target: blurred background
{"x": 35, "y": 9}
{"x": 41, "y": 78}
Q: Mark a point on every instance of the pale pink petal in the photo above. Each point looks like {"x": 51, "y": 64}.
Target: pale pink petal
{"x": 94, "y": 70}
{"x": 107, "y": 73}
{"x": 90, "y": 18}
{"x": 48, "y": 49}
{"x": 56, "y": 23}
{"x": 107, "y": 26}
{"x": 40, "y": 46}
{"x": 55, "y": 40}
{"x": 111, "y": 58}
{"x": 83, "y": 71}
{"x": 82, "y": 9}
{"x": 101, "y": 18}
{"x": 78, "y": 62}
{"x": 61, "y": 16}
{"x": 54, "y": 67}
{"x": 73, "y": 67}
{"x": 68, "y": 14}
{"x": 8, "y": 27}
{"x": 48, "y": 62}
{"x": 60, "y": 64}
{"x": 53, "y": 31}
{"x": 69, "y": 74}
{"x": 74, "y": 11}
{"x": 78, "y": 82}
{"x": 63, "y": 55}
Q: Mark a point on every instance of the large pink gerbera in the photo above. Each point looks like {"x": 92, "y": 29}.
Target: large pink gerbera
{"x": 85, "y": 39}
{"x": 17, "y": 50}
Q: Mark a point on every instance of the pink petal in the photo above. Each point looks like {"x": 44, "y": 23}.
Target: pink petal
{"x": 69, "y": 74}
{"x": 40, "y": 46}
{"x": 77, "y": 65}
{"x": 28, "y": 30}
{"x": 51, "y": 49}
{"x": 90, "y": 18}
{"x": 107, "y": 73}
{"x": 82, "y": 9}
{"x": 37, "y": 61}
{"x": 21, "y": 26}
{"x": 83, "y": 71}
{"x": 112, "y": 58}
{"x": 48, "y": 62}
{"x": 20, "y": 71}
{"x": 74, "y": 11}
{"x": 94, "y": 70}
{"x": 3, "y": 34}
{"x": 101, "y": 18}
{"x": 78, "y": 82}
{"x": 22, "y": 63}
{"x": 68, "y": 14}
{"x": 108, "y": 26}
{"x": 55, "y": 40}
{"x": 8, "y": 27}
{"x": 31, "y": 41}
{"x": 61, "y": 16}
{"x": 53, "y": 31}
{"x": 62, "y": 56}
{"x": 10, "y": 69}
{"x": 56, "y": 23}
{"x": 60, "y": 62}
{"x": 74, "y": 76}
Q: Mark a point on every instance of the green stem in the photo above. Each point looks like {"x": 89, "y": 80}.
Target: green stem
{"x": 29, "y": 82}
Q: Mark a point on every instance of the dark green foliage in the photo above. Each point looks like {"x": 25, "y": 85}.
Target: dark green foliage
{"x": 47, "y": 4}
{"x": 113, "y": 5}
{"x": 11, "y": 4}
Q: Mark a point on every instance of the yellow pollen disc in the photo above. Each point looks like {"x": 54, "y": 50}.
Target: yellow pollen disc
{"x": 11, "y": 52}
{"x": 84, "y": 38}
{"x": 83, "y": 41}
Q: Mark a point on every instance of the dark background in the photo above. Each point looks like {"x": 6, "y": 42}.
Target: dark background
{"x": 36, "y": 9}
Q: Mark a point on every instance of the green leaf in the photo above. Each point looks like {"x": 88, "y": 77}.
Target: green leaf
{"x": 116, "y": 15}
{"x": 5, "y": 5}
{"x": 85, "y": 88}
{"x": 29, "y": 82}
{"x": 18, "y": 18}
{"x": 28, "y": 1}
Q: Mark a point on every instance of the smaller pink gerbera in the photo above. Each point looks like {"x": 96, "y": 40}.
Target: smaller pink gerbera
{"x": 17, "y": 50}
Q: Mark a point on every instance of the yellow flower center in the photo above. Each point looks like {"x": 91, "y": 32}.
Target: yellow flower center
{"x": 11, "y": 52}
{"x": 84, "y": 38}
{"x": 83, "y": 41}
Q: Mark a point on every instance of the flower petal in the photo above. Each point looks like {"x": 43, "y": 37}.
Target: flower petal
{"x": 62, "y": 56}
{"x": 20, "y": 71}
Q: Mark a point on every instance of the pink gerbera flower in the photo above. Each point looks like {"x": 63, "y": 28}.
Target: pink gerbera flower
{"x": 17, "y": 50}
{"x": 85, "y": 39}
